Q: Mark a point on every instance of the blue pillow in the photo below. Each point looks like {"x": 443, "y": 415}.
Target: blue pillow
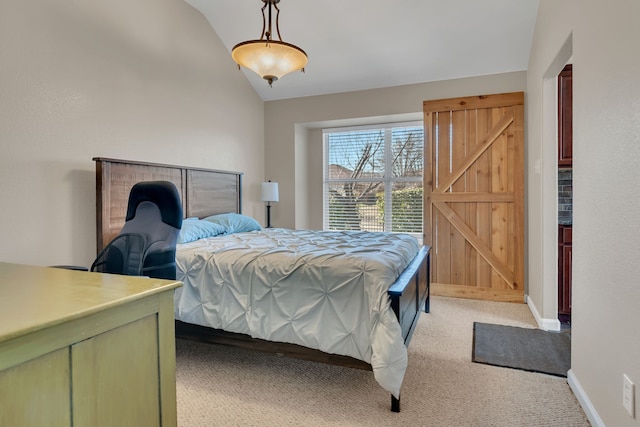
{"x": 234, "y": 223}
{"x": 194, "y": 229}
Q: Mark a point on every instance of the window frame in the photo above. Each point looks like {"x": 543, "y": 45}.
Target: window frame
{"x": 387, "y": 179}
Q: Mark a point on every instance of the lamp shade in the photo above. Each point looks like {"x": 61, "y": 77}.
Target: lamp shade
{"x": 269, "y": 192}
{"x": 270, "y": 59}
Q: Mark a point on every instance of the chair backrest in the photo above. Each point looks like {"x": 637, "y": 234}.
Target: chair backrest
{"x": 146, "y": 245}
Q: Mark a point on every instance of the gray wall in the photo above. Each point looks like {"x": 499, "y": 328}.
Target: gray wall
{"x": 600, "y": 38}
{"x": 145, "y": 80}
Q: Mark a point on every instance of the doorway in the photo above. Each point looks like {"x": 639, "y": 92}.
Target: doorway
{"x": 565, "y": 192}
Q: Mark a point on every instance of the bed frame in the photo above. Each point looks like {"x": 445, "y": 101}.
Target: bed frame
{"x": 207, "y": 192}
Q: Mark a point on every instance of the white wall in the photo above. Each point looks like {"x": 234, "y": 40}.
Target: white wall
{"x": 603, "y": 39}
{"x": 552, "y": 48}
{"x": 144, "y": 80}
{"x": 392, "y": 104}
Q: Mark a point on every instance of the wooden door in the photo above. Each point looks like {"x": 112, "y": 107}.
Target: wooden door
{"x": 474, "y": 196}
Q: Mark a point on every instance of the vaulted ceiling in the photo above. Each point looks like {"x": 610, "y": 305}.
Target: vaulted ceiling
{"x": 358, "y": 44}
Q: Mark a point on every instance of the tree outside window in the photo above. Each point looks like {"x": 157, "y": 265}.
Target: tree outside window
{"x": 367, "y": 167}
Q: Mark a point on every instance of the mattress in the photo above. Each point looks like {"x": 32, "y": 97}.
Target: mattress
{"x": 320, "y": 289}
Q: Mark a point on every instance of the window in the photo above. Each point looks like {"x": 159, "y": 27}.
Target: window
{"x": 373, "y": 178}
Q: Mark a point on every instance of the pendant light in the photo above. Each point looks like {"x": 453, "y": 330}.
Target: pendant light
{"x": 270, "y": 59}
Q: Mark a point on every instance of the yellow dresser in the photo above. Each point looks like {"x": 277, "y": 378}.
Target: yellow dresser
{"x": 85, "y": 349}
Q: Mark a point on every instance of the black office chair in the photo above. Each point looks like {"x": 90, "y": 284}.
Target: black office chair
{"x": 146, "y": 245}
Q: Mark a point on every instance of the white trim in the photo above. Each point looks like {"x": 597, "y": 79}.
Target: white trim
{"x": 583, "y": 399}
{"x": 373, "y": 126}
{"x": 545, "y": 324}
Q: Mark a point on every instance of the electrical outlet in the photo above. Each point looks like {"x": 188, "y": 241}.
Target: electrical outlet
{"x": 628, "y": 395}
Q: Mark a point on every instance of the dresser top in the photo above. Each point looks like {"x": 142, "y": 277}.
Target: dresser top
{"x": 34, "y": 298}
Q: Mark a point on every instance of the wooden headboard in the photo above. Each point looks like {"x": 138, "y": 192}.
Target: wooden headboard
{"x": 203, "y": 192}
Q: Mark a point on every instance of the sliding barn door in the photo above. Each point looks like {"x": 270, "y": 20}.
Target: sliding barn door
{"x": 474, "y": 196}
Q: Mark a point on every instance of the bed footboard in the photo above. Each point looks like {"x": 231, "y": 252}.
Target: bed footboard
{"x": 410, "y": 292}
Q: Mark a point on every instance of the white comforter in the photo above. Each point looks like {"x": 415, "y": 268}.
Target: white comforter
{"x": 323, "y": 290}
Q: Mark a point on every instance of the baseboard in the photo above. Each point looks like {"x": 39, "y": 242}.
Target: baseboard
{"x": 584, "y": 401}
{"x": 545, "y": 324}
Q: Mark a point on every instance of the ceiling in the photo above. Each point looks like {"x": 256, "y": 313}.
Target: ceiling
{"x": 366, "y": 44}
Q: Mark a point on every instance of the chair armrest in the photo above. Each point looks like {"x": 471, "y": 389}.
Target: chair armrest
{"x": 71, "y": 267}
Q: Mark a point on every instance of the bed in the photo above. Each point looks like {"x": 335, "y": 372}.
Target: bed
{"x": 371, "y": 329}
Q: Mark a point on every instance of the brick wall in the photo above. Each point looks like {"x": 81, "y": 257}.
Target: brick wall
{"x": 565, "y": 197}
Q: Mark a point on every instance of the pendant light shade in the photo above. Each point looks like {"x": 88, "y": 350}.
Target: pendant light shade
{"x": 270, "y": 59}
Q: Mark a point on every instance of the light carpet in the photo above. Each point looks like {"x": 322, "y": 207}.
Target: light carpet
{"x": 223, "y": 386}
